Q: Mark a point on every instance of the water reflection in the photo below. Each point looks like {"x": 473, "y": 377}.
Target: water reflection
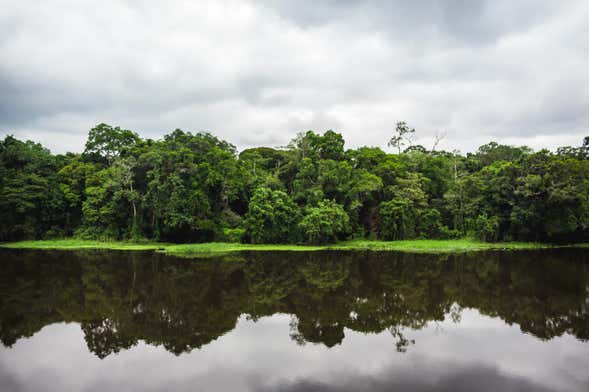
{"x": 120, "y": 298}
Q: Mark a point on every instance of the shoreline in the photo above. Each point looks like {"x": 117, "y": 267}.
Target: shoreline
{"x": 216, "y": 248}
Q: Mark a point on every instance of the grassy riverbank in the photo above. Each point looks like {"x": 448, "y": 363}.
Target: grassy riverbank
{"x": 73, "y": 244}
{"x": 411, "y": 246}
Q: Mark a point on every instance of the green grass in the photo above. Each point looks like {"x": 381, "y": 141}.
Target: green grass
{"x": 226, "y": 247}
{"x": 436, "y": 246}
{"x": 83, "y": 244}
{"x": 216, "y": 248}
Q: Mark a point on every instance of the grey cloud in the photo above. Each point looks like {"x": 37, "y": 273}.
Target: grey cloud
{"x": 460, "y": 21}
{"x": 258, "y": 72}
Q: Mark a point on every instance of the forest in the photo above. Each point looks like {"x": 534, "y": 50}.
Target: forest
{"x": 194, "y": 187}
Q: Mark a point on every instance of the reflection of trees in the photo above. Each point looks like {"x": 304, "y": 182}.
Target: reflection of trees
{"x": 120, "y": 298}
{"x": 102, "y": 337}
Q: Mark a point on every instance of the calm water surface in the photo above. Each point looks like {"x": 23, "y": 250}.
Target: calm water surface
{"x": 134, "y": 321}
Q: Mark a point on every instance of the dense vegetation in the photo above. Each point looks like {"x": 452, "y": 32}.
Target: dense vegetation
{"x": 196, "y": 188}
{"x": 122, "y": 298}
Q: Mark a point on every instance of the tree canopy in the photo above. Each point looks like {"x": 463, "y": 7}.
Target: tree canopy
{"x": 195, "y": 187}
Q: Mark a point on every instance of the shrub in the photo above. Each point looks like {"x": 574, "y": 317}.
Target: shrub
{"x": 233, "y": 235}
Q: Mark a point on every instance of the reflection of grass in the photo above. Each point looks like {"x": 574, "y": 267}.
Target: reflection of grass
{"x": 216, "y": 248}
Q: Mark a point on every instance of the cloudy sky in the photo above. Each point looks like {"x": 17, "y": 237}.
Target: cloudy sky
{"x": 258, "y": 72}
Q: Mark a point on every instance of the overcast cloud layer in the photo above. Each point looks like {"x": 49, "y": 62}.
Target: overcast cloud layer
{"x": 258, "y": 72}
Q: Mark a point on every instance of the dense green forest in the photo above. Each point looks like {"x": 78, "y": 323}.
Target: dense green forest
{"x": 196, "y": 188}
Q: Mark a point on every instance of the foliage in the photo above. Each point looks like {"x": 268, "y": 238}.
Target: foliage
{"x": 31, "y": 202}
{"x": 403, "y": 136}
{"x": 233, "y": 235}
{"x": 325, "y": 223}
{"x": 193, "y": 187}
{"x": 272, "y": 217}
{"x": 107, "y": 142}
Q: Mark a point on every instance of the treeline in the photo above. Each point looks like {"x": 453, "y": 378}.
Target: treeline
{"x": 195, "y": 188}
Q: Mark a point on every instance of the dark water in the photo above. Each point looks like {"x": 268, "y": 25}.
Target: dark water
{"x": 95, "y": 321}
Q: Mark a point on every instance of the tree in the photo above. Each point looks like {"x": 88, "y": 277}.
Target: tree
{"x": 271, "y": 218}
{"x": 107, "y": 142}
{"x": 72, "y": 182}
{"x": 487, "y": 228}
{"x": 403, "y": 136}
{"x": 193, "y": 187}
{"x": 576, "y": 152}
{"x": 330, "y": 145}
{"x": 493, "y": 152}
{"x": 325, "y": 223}
{"x": 401, "y": 213}
{"x": 31, "y": 201}
{"x": 123, "y": 180}
{"x": 191, "y": 183}
{"x": 306, "y": 189}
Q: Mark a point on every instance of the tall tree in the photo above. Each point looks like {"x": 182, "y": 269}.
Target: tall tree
{"x": 403, "y": 136}
{"x": 107, "y": 142}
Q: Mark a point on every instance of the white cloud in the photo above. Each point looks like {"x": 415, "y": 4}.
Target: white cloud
{"x": 256, "y": 73}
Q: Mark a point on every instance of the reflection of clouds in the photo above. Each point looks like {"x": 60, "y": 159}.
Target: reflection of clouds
{"x": 467, "y": 379}
{"x": 8, "y": 382}
{"x": 479, "y": 353}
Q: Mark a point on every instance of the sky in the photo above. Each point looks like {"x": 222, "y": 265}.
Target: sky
{"x": 258, "y": 72}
